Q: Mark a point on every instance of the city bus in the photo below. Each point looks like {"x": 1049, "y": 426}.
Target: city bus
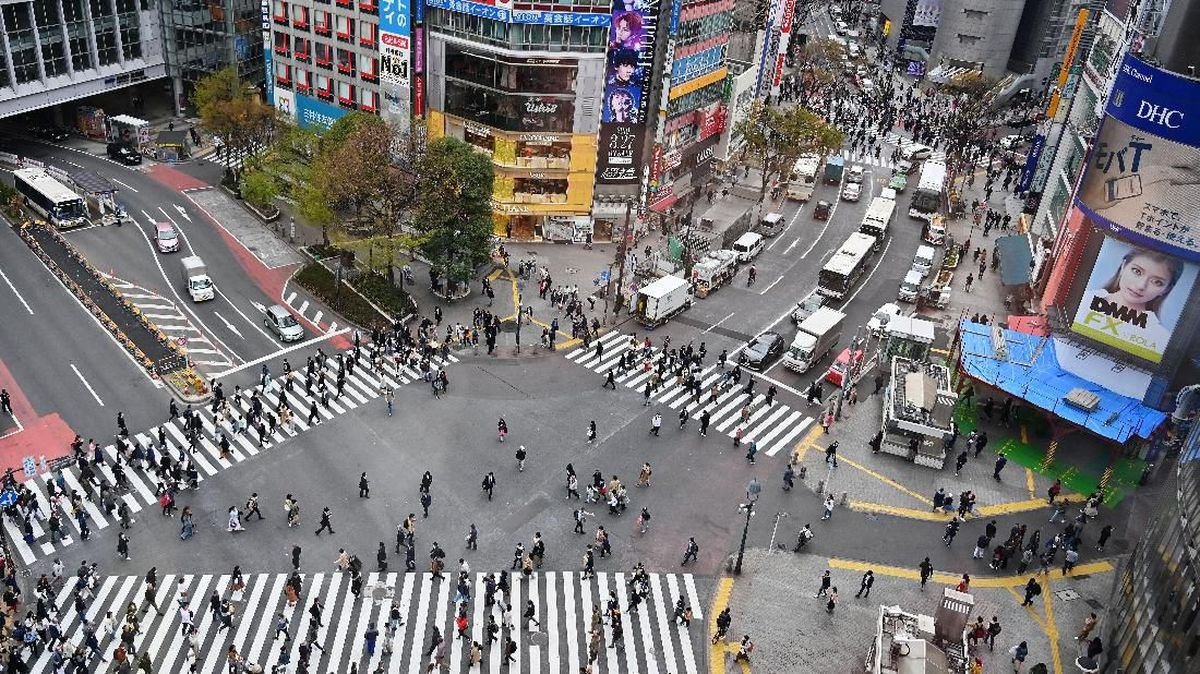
{"x": 847, "y": 266}
{"x": 51, "y": 199}
{"x": 878, "y": 218}
{"x": 803, "y": 177}
{"x": 931, "y": 190}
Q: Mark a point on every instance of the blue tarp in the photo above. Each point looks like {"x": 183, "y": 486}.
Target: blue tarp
{"x": 1014, "y": 260}
{"x": 1031, "y": 373}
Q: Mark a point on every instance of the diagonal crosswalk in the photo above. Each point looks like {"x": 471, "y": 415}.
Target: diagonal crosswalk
{"x": 362, "y": 386}
{"x": 773, "y": 427}
{"x": 653, "y": 640}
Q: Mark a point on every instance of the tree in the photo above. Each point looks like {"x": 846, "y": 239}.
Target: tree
{"x": 776, "y": 137}
{"x": 231, "y": 110}
{"x": 260, "y": 188}
{"x": 454, "y": 209}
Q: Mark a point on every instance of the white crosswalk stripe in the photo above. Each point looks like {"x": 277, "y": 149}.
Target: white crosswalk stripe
{"x": 772, "y": 427}
{"x": 234, "y": 158}
{"x": 362, "y": 387}
{"x": 653, "y": 640}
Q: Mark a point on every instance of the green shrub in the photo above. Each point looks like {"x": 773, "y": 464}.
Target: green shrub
{"x": 321, "y": 283}
{"x": 323, "y": 251}
{"x": 259, "y": 189}
{"x": 377, "y": 288}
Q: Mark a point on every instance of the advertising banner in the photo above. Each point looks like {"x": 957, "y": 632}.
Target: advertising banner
{"x": 1143, "y": 180}
{"x": 700, "y": 63}
{"x": 1031, "y": 162}
{"x": 1134, "y": 298}
{"x": 394, "y": 17}
{"x": 395, "y": 65}
{"x": 285, "y": 103}
{"x": 269, "y": 66}
{"x": 504, "y": 13}
{"x": 316, "y": 114}
{"x": 626, "y": 90}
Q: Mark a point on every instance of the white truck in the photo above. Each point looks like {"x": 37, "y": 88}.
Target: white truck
{"x": 658, "y": 301}
{"x": 715, "y": 270}
{"x": 196, "y": 280}
{"x": 910, "y": 287}
{"x": 818, "y": 334}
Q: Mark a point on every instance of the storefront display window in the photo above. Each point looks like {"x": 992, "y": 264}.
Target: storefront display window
{"x": 480, "y": 138}
{"x": 510, "y": 112}
{"x": 540, "y": 190}
{"x": 527, "y": 75}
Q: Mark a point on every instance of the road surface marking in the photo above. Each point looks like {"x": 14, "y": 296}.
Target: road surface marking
{"x": 802, "y": 447}
{"x": 888, "y": 481}
{"x": 773, "y": 284}
{"x": 85, "y": 383}
{"x": 708, "y": 330}
{"x": 317, "y": 318}
{"x": 14, "y": 289}
{"x": 952, "y": 579}
{"x": 281, "y": 352}
{"x": 290, "y": 298}
{"x": 303, "y": 306}
{"x": 123, "y": 185}
{"x": 789, "y": 226}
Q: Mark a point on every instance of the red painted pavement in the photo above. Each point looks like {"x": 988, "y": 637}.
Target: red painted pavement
{"x": 48, "y": 435}
{"x": 270, "y": 281}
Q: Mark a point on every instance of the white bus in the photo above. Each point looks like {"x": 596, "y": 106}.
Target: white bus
{"x": 50, "y": 198}
{"x": 878, "y": 218}
{"x": 847, "y": 266}
{"x": 804, "y": 177}
{"x": 931, "y": 190}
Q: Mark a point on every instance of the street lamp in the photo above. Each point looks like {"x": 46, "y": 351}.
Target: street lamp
{"x": 747, "y": 508}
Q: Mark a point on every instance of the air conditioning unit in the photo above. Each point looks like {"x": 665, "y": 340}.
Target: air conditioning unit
{"x": 1082, "y": 399}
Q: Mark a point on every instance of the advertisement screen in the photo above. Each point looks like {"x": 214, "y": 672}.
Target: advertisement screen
{"x": 626, "y": 90}
{"x": 1134, "y": 298}
{"x": 1143, "y": 179}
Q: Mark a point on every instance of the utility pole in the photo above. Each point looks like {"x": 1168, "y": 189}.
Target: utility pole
{"x": 748, "y": 508}
{"x": 622, "y": 255}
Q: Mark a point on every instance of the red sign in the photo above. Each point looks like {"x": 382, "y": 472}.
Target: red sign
{"x": 393, "y": 40}
{"x": 419, "y": 96}
{"x": 712, "y": 121}
{"x": 789, "y": 10}
{"x": 778, "y": 70}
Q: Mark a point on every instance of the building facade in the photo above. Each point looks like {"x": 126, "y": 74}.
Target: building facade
{"x": 202, "y": 37}
{"x": 56, "y": 51}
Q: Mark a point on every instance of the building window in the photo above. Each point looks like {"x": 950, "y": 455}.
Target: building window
{"x": 495, "y": 72}
{"x": 324, "y": 55}
{"x": 283, "y": 74}
{"x": 303, "y": 81}
{"x": 368, "y": 67}
{"x": 963, "y": 38}
{"x": 368, "y": 101}
{"x": 540, "y": 190}
{"x": 299, "y": 16}
{"x": 368, "y": 7}
{"x": 54, "y": 58}
{"x": 345, "y": 61}
{"x": 106, "y": 27}
{"x": 131, "y": 40}
{"x": 544, "y": 154}
{"x": 77, "y": 31}
{"x": 301, "y": 48}
{"x": 321, "y": 23}
{"x": 366, "y": 35}
{"x": 511, "y": 112}
{"x": 346, "y": 94}
{"x": 345, "y": 28}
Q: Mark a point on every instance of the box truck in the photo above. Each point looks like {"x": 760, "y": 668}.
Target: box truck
{"x": 196, "y": 280}
{"x": 658, "y": 301}
{"x": 818, "y": 334}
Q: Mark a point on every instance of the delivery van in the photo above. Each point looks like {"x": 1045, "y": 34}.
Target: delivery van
{"x": 923, "y": 260}
{"x": 748, "y": 246}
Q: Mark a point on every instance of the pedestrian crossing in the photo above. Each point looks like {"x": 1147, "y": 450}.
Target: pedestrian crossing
{"x": 361, "y": 387}
{"x": 652, "y": 640}
{"x": 233, "y": 158}
{"x": 773, "y": 428}
{"x": 167, "y": 316}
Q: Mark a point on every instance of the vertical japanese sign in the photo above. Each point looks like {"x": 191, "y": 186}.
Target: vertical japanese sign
{"x": 419, "y": 70}
{"x": 1068, "y": 58}
{"x": 395, "y": 60}
{"x": 785, "y": 38}
{"x": 626, "y": 91}
{"x": 268, "y": 65}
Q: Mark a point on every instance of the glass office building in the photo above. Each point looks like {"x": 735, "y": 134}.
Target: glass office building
{"x": 1152, "y": 619}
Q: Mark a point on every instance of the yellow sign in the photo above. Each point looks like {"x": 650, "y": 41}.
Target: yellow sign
{"x": 1068, "y": 60}
{"x": 887, "y": 27}
{"x": 698, "y": 83}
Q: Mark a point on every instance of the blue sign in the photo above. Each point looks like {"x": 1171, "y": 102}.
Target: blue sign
{"x": 1031, "y": 162}
{"x": 7, "y": 498}
{"x": 520, "y": 15}
{"x": 1156, "y": 101}
{"x": 420, "y": 7}
{"x": 701, "y": 63}
{"x": 316, "y": 114}
{"x": 394, "y": 17}
{"x": 676, "y": 9}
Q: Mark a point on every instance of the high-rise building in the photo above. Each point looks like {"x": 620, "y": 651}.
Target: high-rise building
{"x": 55, "y": 51}
{"x": 203, "y": 36}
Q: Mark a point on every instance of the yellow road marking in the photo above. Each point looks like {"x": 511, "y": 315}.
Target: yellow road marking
{"x": 952, "y": 579}
{"x": 802, "y": 447}
{"x": 909, "y": 513}
{"x": 1020, "y": 597}
{"x": 941, "y": 352}
{"x": 1029, "y": 482}
{"x": 886, "y": 480}
{"x": 718, "y": 652}
{"x": 1051, "y": 629}
{"x": 993, "y": 510}
{"x": 1024, "y": 435}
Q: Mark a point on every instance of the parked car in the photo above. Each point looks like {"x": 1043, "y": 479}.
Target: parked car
{"x": 165, "y": 237}
{"x": 916, "y": 152}
{"x": 882, "y": 317}
{"x": 49, "y": 132}
{"x": 851, "y": 191}
{"x": 123, "y": 153}
{"x": 762, "y": 350}
{"x": 822, "y": 209}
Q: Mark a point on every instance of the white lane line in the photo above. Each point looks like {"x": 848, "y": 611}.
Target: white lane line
{"x": 317, "y": 318}
{"x": 773, "y": 284}
{"x": 816, "y": 240}
{"x": 303, "y": 305}
{"x": 714, "y": 325}
{"x": 789, "y": 226}
{"x": 290, "y": 298}
{"x": 123, "y": 185}
{"x": 85, "y": 383}
{"x": 14, "y": 289}
{"x": 792, "y": 434}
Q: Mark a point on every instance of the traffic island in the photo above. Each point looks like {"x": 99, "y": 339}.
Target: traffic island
{"x": 146, "y": 344}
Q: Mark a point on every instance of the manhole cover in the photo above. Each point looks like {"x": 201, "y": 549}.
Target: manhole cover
{"x": 1066, "y": 595}
{"x": 1094, "y": 604}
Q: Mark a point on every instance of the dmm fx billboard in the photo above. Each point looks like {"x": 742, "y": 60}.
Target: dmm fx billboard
{"x": 314, "y": 114}
{"x": 1143, "y": 179}
{"x": 395, "y": 60}
{"x": 626, "y": 91}
{"x": 1134, "y": 298}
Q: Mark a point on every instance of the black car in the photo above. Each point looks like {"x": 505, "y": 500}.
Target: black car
{"x": 123, "y": 153}
{"x": 762, "y": 350}
{"x": 52, "y": 133}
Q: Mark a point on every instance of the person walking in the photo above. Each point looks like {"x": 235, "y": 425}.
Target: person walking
{"x": 326, "y": 521}
{"x": 1019, "y": 653}
{"x": 1053, "y": 492}
{"x": 489, "y": 484}
{"x": 926, "y": 569}
{"x": 123, "y": 546}
{"x": 993, "y": 631}
{"x": 281, "y": 627}
{"x": 829, "y": 503}
{"x": 521, "y": 458}
{"x": 864, "y": 586}
{"x": 1089, "y": 624}
{"x": 826, "y": 581}
{"x": 656, "y": 424}
{"x": 1105, "y": 533}
{"x": 831, "y": 453}
{"x": 364, "y": 487}
{"x": 951, "y": 531}
{"x": 1001, "y": 461}
{"x": 691, "y": 551}
{"x": 831, "y": 603}
{"x": 1032, "y": 589}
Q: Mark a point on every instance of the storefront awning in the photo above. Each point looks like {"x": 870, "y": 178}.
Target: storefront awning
{"x": 1026, "y": 367}
{"x": 1015, "y": 259}
{"x": 1030, "y": 325}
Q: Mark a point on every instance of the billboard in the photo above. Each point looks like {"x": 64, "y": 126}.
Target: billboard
{"x": 1134, "y": 298}
{"x": 316, "y": 114}
{"x": 1143, "y": 177}
{"x": 504, "y": 13}
{"x": 626, "y": 90}
{"x": 395, "y": 60}
{"x": 285, "y": 103}
{"x": 268, "y": 65}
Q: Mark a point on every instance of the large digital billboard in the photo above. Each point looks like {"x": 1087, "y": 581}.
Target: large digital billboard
{"x": 1143, "y": 178}
{"x": 626, "y": 90}
{"x": 395, "y": 64}
{"x": 1134, "y": 298}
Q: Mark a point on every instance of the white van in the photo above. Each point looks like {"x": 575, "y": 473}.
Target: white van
{"x": 910, "y": 287}
{"x": 887, "y": 193}
{"x": 748, "y": 246}
{"x": 923, "y": 260}
{"x": 771, "y": 224}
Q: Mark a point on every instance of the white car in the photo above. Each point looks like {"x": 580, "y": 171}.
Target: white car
{"x": 916, "y": 152}
{"x": 854, "y": 174}
{"x": 851, "y": 191}
{"x": 1012, "y": 141}
{"x": 882, "y": 317}
{"x": 840, "y": 27}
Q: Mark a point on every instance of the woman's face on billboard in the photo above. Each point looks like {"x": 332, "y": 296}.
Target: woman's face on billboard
{"x": 1143, "y": 280}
